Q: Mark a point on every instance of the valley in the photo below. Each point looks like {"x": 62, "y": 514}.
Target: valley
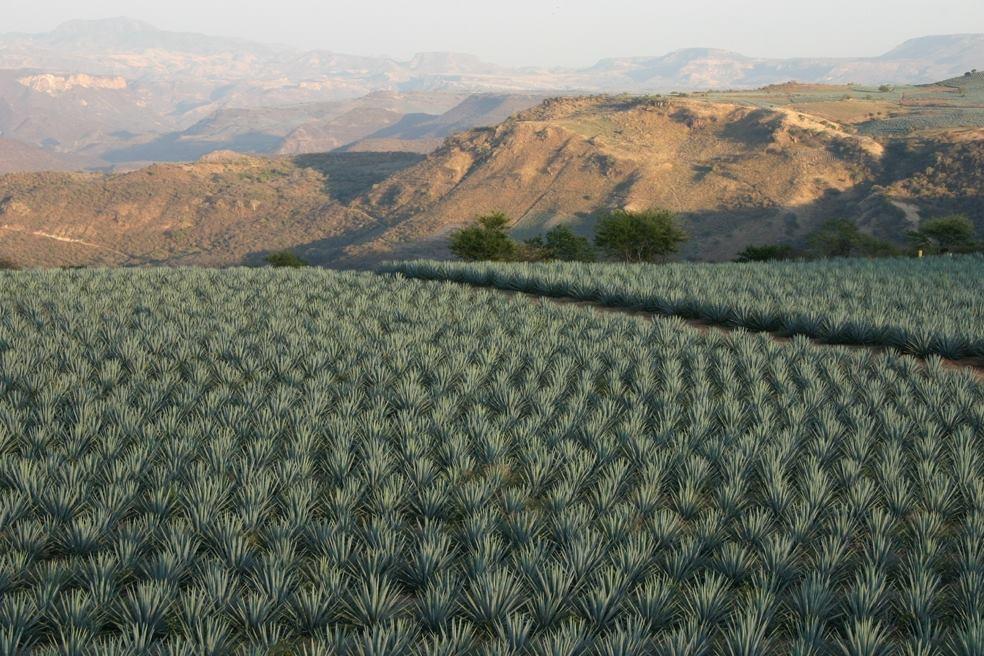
{"x": 116, "y": 94}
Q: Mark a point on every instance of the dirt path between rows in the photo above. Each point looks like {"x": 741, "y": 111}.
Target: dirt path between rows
{"x": 974, "y": 366}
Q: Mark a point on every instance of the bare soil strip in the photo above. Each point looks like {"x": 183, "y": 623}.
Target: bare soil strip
{"x": 45, "y": 235}
{"x": 974, "y": 366}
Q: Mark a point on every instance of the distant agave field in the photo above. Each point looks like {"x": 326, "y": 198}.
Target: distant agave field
{"x": 307, "y": 462}
{"x": 921, "y": 306}
{"x": 930, "y": 119}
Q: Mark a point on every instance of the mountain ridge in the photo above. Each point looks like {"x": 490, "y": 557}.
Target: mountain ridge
{"x": 104, "y": 90}
{"x": 736, "y": 172}
{"x": 123, "y": 33}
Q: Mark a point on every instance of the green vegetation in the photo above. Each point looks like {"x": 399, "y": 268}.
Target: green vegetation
{"x": 561, "y": 243}
{"x": 486, "y": 240}
{"x": 645, "y": 236}
{"x": 921, "y": 306}
{"x": 622, "y": 235}
{"x": 766, "y": 253}
{"x": 843, "y": 238}
{"x": 285, "y": 259}
{"x": 947, "y": 234}
{"x": 308, "y": 462}
{"x": 937, "y": 118}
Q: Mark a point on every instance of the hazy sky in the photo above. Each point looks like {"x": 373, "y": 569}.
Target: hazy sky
{"x": 536, "y": 32}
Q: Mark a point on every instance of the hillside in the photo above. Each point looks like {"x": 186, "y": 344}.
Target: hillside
{"x": 741, "y": 168}
{"x": 738, "y": 172}
{"x": 17, "y": 156}
{"x": 223, "y": 210}
{"x": 424, "y": 133}
{"x": 289, "y": 129}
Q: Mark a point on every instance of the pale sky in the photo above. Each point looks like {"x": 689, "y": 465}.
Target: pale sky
{"x": 536, "y": 32}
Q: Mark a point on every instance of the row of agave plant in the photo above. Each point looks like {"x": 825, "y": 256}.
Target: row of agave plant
{"x": 268, "y": 462}
{"x": 920, "y": 306}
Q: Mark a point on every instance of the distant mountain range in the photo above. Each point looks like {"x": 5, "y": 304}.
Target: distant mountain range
{"x": 118, "y": 91}
{"x": 916, "y": 61}
{"x": 139, "y": 51}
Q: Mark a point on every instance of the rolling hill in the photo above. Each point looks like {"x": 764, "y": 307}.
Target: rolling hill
{"x": 423, "y": 133}
{"x": 916, "y": 61}
{"x": 275, "y": 74}
{"x": 739, "y": 170}
{"x": 404, "y": 127}
{"x": 218, "y": 211}
{"x": 74, "y": 113}
{"x": 16, "y": 156}
{"x": 383, "y": 121}
{"x": 290, "y": 129}
{"x": 737, "y": 173}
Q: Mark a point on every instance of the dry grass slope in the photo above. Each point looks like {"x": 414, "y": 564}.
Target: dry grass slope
{"x": 224, "y": 209}
{"x": 739, "y": 172}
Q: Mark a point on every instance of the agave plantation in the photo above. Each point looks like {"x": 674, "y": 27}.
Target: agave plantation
{"x": 921, "y": 306}
{"x": 257, "y": 461}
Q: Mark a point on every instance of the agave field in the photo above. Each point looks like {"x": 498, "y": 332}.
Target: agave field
{"x": 308, "y": 462}
{"x": 921, "y": 306}
{"x": 945, "y": 118}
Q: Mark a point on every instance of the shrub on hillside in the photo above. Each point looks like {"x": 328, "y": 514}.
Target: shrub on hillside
{"x": 285, "y": 259}
{"x": 561, "y": 243}
{"x": 645, "y": 236}
{"x": 7, "y": 264}
{"x": 766, "y": 253}
{"x": 532, "y": 250}
{"x": 485, "y": 240}
{"x": 843, "y": 238}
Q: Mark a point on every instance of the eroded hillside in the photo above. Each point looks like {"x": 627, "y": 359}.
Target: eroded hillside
{"x": 737, "y": 173}
{"x": 225, "y": 209}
